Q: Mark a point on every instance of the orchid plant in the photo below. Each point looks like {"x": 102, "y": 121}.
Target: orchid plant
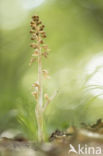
{"x": 40, "y": 50}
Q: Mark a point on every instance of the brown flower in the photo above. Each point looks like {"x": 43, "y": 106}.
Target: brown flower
{"x": 36, "y": 53}
{"x": 36, "y": 85}
{"x": 35, "y": 94}
{"x": 45, "y": 54}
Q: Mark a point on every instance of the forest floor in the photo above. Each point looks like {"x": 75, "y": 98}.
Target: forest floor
{"x": 85, "y": 141}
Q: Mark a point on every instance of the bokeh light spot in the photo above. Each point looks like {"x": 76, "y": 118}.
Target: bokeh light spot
{"x": 29, "y": 4}
{"x": 95, "y": 68}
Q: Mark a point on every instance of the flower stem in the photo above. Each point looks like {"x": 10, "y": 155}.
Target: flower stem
{"x": 39, "y": 108}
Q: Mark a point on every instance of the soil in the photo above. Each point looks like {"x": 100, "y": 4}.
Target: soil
{"x": 59, "y": 143}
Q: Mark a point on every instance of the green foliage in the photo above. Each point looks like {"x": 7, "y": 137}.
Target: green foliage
{"x": 26, "y": 118}
{"x": 73, "y": 102}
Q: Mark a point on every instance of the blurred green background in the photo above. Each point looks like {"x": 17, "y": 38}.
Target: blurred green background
{"x": 75, "y": 37}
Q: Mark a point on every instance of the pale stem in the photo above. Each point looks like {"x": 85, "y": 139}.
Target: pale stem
{"x": 39, "y": 112}
{"x": 51, "y": 98}
{"x": 40, "y": 97}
